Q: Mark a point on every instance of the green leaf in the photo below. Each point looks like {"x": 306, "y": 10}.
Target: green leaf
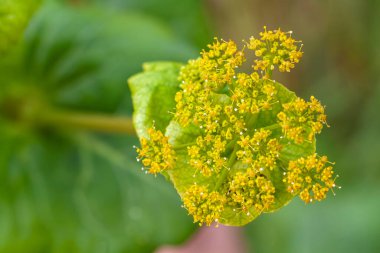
{"x": 158, "y": 80}
{"x": 181, "y": 18}
{"x": 83, "y": 196}
{"x": 86, "y": 66}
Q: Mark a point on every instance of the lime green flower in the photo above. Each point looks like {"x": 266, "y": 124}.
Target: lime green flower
{"x": 240, "y": 144}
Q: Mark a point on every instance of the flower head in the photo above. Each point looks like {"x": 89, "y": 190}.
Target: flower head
{"x": 206, "y": 207}
{"x": 301, "y": 120}
{"x": 249, "y": 141}
{"x": 251, "y": 189}
{"x": 275, "y": 48}
{"x": 156, "y": 153}
{"x": 311, "y": 177}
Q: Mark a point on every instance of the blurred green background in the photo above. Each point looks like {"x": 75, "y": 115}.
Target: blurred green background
{"x": 70, "y": 190}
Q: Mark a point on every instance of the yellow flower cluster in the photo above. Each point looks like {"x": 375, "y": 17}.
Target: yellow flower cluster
{"x": 301, "y": 119}
{"x": 310, "y": 177}
{"x": 252, "y": 94}
{"x": 156, "y": 154}
{"x": 202, "y": 77}
{"x": 221, "y": 117}
{"x": 211, "y": 160}
{"x": 249, "y": 189}
{"x": 206, "y": 207}
{"x": 242, "y": 126}
{"x": 259, "y": 151}
{"x": 275, "y": 48}
{"x": 218, "y": 64}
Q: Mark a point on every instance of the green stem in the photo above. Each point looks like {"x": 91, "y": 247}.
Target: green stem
{"x": 182, "y": 146}
{"x": 272, "y": 127}
{"x": 87, "y": 121}
{"x": 251, "y": 120}
{"x": 31, "y": 109}
{"x": 231, "y": 144}
{"x": 224, "y": 173}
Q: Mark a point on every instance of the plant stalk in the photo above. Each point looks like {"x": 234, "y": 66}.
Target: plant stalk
{"x": 86, "y": 121}
{"x": 224, "y": 172}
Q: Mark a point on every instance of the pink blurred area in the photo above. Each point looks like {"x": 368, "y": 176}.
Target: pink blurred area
{"x": 221, "y": 239}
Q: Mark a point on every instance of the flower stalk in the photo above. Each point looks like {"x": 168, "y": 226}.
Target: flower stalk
{"x": 31, "y": 110}
{"x": 86, "y": 121}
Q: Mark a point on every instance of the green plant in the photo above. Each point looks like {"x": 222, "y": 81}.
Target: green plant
{"x": 233, "y": 144}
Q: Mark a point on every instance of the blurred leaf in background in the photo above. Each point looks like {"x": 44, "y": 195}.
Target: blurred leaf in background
{"x": 86, "y": 55}
{"x": 187, "y": 18}
{"x": 72, "y": 191}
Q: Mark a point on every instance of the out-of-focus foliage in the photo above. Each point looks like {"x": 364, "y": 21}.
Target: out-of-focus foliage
{"x": 82, "y": 55}
{"x": 70, "y": 191}
{"x": 186, "y": 18}
{"x": 343, "y": 224}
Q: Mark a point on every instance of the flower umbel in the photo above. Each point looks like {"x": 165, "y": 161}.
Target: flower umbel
{"x": 275, "y": 48}
{"x": 251, "y": 189}
{"x": 310, "y": 177}
{"x": 206, "y": 207}
{"x": 244, "y": 144}
{"x": 156, "y": 153}
{"x": 301, "y": 120}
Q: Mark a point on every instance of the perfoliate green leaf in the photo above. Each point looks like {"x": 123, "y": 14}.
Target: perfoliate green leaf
{"x": 159, "y": 80}
{"x": 183, "y": 175}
